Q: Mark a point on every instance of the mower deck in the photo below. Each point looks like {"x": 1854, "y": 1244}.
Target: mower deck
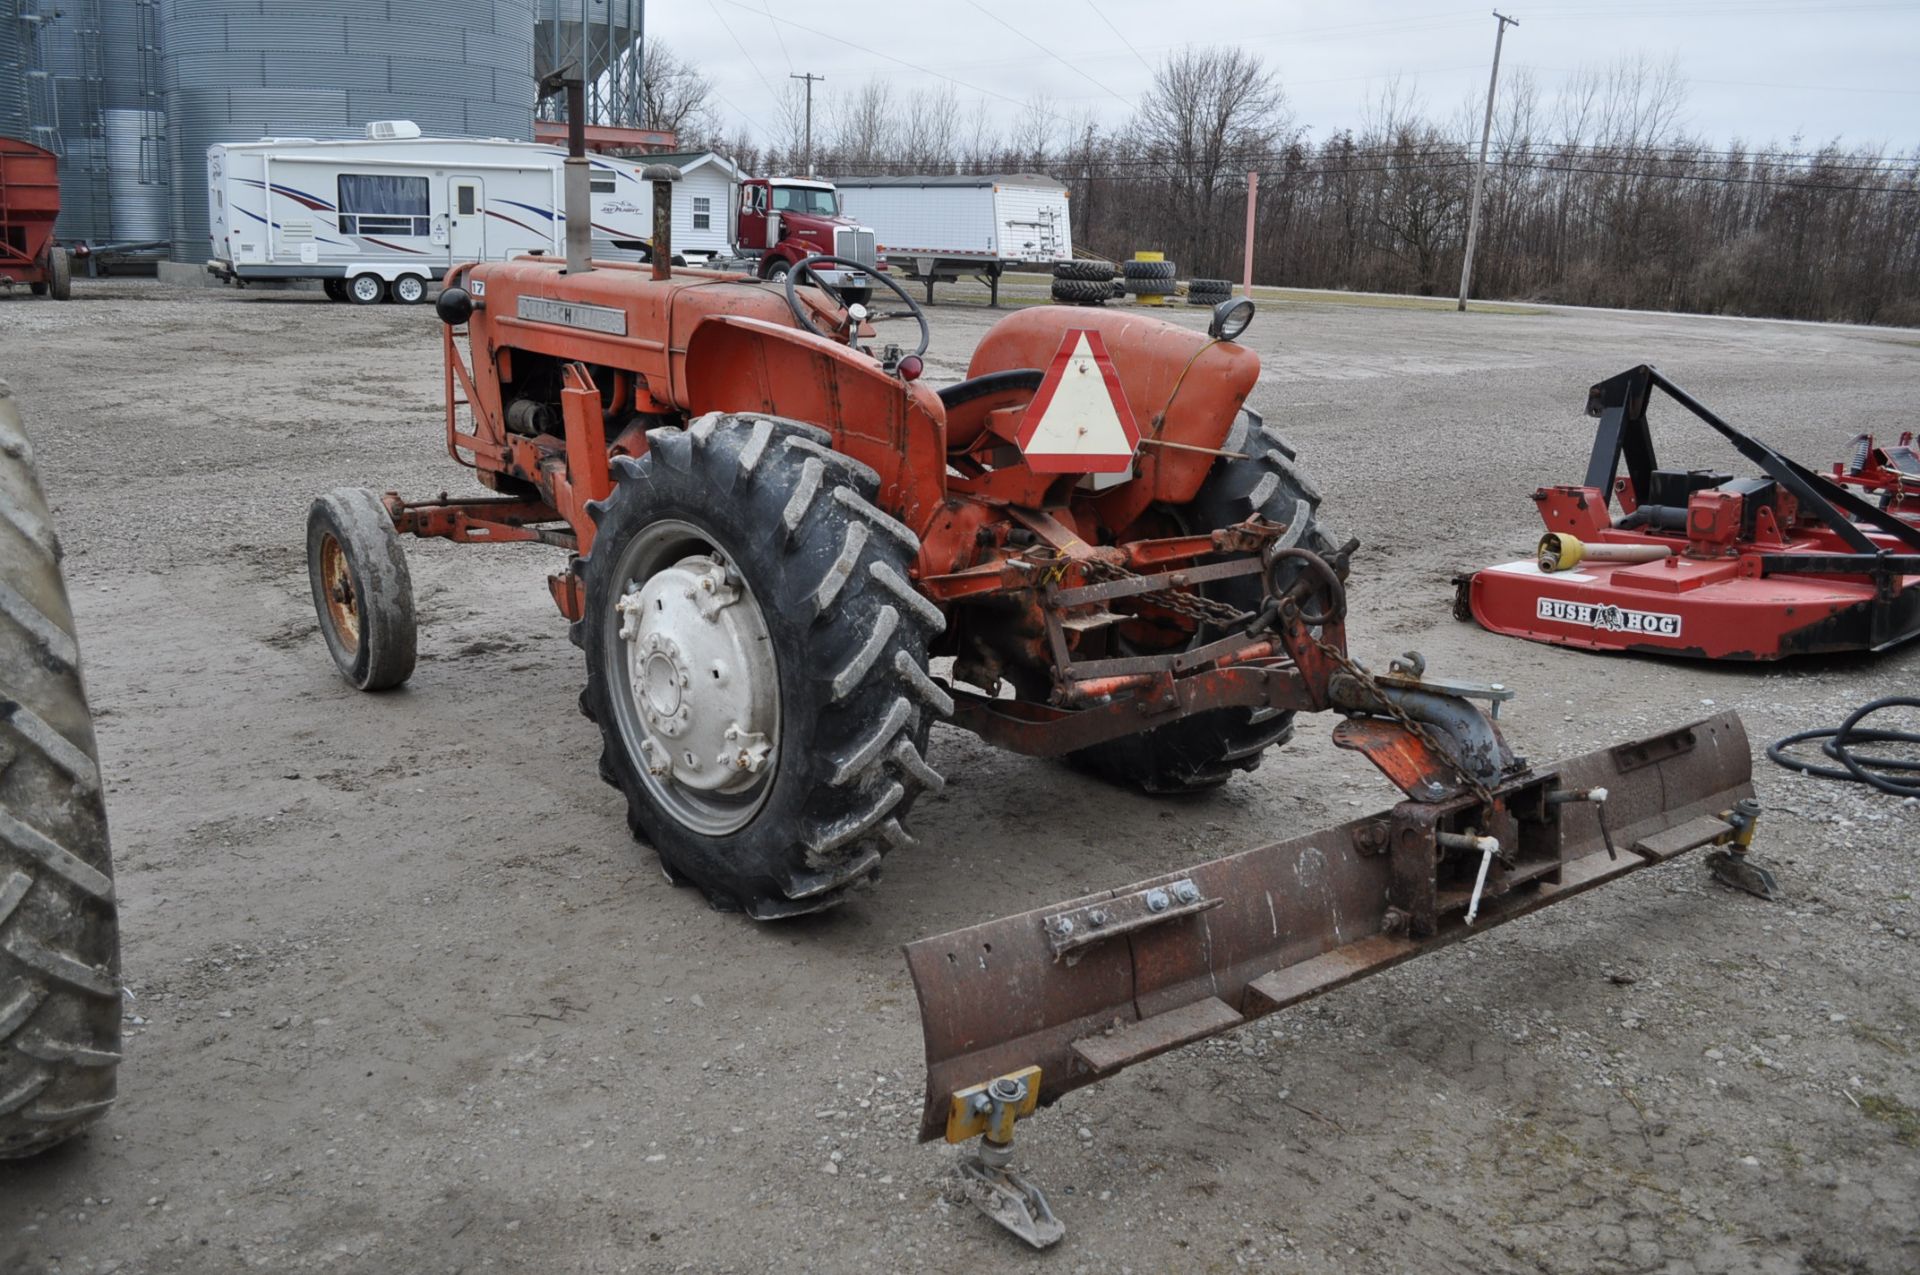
{"x": 1699, "y": 563}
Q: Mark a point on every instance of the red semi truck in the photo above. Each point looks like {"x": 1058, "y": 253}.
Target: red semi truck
{"x": 784, "y": 219}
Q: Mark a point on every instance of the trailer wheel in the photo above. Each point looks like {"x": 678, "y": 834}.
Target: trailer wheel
{"x": 756, "y": 662}
{"x": 59, "y": 927}
{"x": 336, "y": 289}
{"x": 367, "y": 289}
{"x": 1204, "y": 750}
{"x": 409, "y": 289}
{"x": 362, "y": 590}
{"x": 59, "y": 274}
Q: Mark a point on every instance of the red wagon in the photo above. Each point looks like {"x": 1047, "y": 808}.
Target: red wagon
{"x": 29, "y": 203}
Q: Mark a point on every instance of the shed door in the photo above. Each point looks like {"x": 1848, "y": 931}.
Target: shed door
{"x": 466, "y": 220}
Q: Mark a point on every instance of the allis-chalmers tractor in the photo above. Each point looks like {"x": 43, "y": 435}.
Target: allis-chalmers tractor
{"x": 773, "y": 530}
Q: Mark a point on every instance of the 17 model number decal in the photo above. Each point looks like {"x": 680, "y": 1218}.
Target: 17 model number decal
{"x": 1611, "y": 618}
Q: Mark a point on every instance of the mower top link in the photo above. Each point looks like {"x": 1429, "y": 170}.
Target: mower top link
{"x": 773, "y": 529}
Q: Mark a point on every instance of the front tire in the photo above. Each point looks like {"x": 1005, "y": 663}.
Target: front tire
{"x": 828, "y": 745}
{"x": 1203, "y": 751}
{"x": 362, "y": 590}
{"x": 777, "y": 269}
{"x": 59, "y": 926}
{"x": 367, "y": 289}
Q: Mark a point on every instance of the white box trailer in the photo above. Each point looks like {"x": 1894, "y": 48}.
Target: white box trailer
{"x": 936, "y": 229}
{"x": 382, "y": 216}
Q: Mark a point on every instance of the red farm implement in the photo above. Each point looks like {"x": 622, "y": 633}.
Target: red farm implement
{"x": 29, "y": 204}
{"x": 1700, "y": 563}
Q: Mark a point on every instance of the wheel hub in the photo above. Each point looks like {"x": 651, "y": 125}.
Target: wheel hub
{"x": 701, "y": 677}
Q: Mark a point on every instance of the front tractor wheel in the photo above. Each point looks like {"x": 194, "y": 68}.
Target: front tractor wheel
{"x": 1259, "y": 475}
{"x": 756, "y": 662}
{"x": 362, "y": 590}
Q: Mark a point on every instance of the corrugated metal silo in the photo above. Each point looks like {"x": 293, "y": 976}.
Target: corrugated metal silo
{"x": 596, "y": 34}
{"x": 15, "y": 35}
{"x": 133, "y": 126}
{"x": 239, "y": 70}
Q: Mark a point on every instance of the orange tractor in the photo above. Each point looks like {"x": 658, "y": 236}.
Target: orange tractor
{"x": 774, "y": 529}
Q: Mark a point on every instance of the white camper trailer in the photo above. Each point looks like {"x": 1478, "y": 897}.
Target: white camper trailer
{"x": 379, "y": 217}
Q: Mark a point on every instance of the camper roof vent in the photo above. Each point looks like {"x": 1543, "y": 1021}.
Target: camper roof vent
{"x": 392, "y": 130}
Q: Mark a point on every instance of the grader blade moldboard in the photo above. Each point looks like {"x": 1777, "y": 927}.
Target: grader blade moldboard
{"x": 1084, "y": 988}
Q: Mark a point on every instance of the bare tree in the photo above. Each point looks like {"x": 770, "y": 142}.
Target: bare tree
{"x": 1211, "y": 114}
{"x": 863, "y": 127}
{"x": 675, "y": 95}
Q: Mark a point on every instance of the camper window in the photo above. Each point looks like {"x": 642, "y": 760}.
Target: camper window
{"x": 702, "y": 212}
{"x": 600, "y": 185}
{"x": 377, "y": 204}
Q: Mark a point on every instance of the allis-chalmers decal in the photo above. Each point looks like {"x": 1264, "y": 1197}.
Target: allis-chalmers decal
{"x": 1612, "y": 618}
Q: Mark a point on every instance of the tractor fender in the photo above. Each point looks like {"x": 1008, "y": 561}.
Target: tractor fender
{"x": 1183, "y": 388}
{"x": 896, "y": 428}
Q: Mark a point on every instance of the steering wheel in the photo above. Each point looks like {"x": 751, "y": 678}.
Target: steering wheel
{"x": 800, "y": 315}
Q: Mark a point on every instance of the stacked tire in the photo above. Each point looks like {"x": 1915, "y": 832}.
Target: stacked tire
{"x": 1083, "y": 282}
{"x": 1208, "y": 292}
{"x": 1149, "y": 278}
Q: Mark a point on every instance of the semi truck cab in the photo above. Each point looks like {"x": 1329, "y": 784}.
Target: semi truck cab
{"x": 784, "y": 219}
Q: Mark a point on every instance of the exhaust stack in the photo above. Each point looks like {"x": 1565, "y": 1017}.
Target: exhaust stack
{"x": 663, "y": 176}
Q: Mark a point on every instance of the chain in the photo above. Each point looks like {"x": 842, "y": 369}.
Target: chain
{"x": 1173, "y": 598}
{"x": 1196, "y": 606}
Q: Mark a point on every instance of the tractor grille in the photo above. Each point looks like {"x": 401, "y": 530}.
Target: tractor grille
{"x": 856, "y": 245}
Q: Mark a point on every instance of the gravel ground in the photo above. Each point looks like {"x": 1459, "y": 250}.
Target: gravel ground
{"x": 404, "y": 997}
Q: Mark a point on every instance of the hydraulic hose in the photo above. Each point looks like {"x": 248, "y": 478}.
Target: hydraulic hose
{"x": 1896, "y": 776}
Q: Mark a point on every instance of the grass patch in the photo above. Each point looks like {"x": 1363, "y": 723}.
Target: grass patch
{"x": 1890, "y": 1110}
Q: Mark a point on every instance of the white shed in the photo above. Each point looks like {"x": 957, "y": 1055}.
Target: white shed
{"x": 703, "y": 201}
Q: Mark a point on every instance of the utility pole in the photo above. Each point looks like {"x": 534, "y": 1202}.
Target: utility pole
{"x": 810, "y": 78}
{"x": 1480, "y": 173}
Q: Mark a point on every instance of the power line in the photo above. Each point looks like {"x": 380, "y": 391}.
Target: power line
{"x": 1050, "y": 53}
{"x": 1123, "y": 39}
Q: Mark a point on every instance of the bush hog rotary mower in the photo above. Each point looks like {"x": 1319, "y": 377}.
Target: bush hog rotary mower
{"x": 1704, "y": 564}
{"x": 772, "y": 527}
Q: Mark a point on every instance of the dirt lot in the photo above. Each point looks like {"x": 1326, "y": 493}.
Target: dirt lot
{"x": 404, "y": 997}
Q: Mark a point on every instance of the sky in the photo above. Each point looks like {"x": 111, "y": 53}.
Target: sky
{"x": 1755, "y": 70}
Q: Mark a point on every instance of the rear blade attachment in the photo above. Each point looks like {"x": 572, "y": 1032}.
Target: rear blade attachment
{"x": 1083, "y": 989}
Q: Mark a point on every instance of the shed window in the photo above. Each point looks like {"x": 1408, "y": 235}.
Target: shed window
{"x": 377, "y": 204}
{"x": 702, "y": 212}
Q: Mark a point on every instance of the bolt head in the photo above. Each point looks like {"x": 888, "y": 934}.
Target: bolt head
{"x": 1097, "y": 917}
{"x": 1157, "y": 901}
{"x": 1187, "y": 892}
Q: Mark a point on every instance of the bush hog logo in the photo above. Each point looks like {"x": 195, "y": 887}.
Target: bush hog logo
{"x": 1611, "y": 618}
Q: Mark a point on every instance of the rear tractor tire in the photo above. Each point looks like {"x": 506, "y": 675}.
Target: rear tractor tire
{"x": 756, "y": 662}
{"x": 362, "y": 590}
{"x": 1203, "y": 751}
{"x": 1082, "y": 291}
{"x": 1084, "y": 270}
{"x": 59, "y": 927}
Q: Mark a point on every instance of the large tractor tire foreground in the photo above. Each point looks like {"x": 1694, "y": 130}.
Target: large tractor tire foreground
{"x": 59, "y": 929}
